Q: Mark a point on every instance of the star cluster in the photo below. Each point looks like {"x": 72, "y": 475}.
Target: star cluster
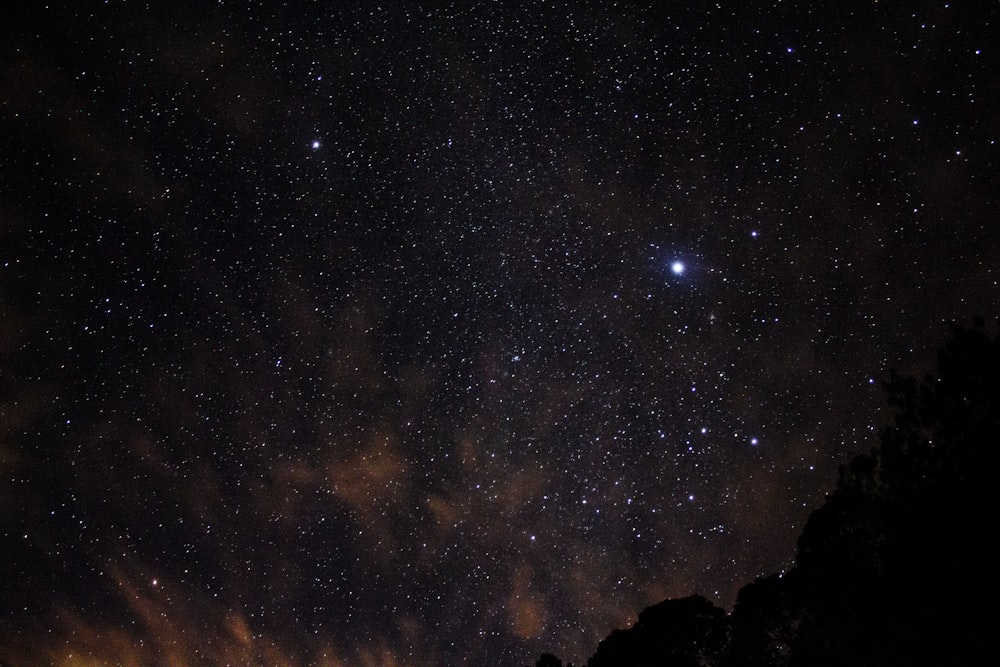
{"x": 443, "y": 333}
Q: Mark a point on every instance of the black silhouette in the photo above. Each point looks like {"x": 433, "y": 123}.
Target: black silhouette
{"x": 548, "y": 660}
{"x": 898, "y": 567}
{"x": 690, "y": 631}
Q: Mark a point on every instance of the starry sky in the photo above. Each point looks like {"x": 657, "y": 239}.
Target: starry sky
{"x": 426, "y": 333}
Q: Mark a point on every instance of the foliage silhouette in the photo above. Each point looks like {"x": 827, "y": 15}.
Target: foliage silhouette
{"x": 896, "y": 567}
{"x": 763, "y": 623}
{"x": 548, "y": 660}
{"x": 689, "y": 631}
{"x": 888, "y": 565}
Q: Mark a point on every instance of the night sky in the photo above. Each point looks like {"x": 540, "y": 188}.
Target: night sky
{"x": 448, "y": 334}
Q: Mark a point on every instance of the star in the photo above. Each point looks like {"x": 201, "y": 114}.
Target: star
{"x": 507, "y": 299}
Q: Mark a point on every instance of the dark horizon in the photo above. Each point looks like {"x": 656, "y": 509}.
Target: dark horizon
{"x": 432, "y": 334}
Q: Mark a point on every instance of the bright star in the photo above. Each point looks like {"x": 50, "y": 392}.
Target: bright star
{"x": 315, "y": 144}
{"x": 677, "y": 268}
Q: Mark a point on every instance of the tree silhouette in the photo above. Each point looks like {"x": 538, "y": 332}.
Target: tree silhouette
{"x": 689, "y": 631}
{"x": 897, "y": 567}
{"x": 764, "y": 623}
{"x": 888, "y": 565}
{"x": 548, "y": 660}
